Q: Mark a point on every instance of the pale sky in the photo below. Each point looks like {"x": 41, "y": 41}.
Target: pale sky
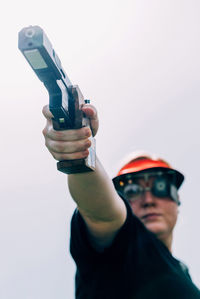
{"x": 138, "y": 61}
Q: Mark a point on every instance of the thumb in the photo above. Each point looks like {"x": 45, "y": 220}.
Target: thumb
{"x": 91, "y": 112}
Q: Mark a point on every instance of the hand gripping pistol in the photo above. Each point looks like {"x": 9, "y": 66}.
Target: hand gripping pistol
{"x": 65, "y": 99}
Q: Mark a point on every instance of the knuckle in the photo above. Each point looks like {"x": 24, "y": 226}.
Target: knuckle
{"x": 79, "y": 155}
{"x": 87, "y": 144}
{"x": 75, "y": 134}
{"x": 60, "y": 134}
{"x": 45, "y": 111}
{"x": 60, "y": 156}
{"x": 58, "y": 147}
{"x": 56, "y": 156}
{"x": 85, "y": 153}
{"x": 87, "y": 131}
{"x": 71, "y": 156}
{"x": 83, "y": 145}
{"x": 48, "y": 146}
{"x": 44, "y": 132}
{"x": 46, "y": 143}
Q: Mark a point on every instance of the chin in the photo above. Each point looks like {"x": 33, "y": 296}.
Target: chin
{"x": 156, "y": 228}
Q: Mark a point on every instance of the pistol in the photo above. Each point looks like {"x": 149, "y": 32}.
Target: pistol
{"x": 65, "y": 99}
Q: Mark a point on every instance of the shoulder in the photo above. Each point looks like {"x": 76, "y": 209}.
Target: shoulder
{"x": 128, "y": 235}
{"x": 185, "y": 269}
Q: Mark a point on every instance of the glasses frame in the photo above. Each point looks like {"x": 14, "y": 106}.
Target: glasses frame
{"x": 129, "y": 179}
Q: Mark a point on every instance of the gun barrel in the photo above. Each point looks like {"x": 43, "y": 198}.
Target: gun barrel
{"x": 65, "y": 99}
{"x": 38, "y": 51}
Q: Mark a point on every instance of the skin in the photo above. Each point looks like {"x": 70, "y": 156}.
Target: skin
{"x": 101, "y": 207}
{"x": 70, "y": 144}
{"x": 158, "y": 215}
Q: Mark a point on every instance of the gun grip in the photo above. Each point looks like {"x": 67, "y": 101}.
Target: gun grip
{"x": 79, "y": 165}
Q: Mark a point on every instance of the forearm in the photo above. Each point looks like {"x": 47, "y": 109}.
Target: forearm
{"x": 98, "y": 202}
{"x": 95, "y": 195}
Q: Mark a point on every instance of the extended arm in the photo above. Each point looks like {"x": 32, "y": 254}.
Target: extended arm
{"x": 99, "y": 204}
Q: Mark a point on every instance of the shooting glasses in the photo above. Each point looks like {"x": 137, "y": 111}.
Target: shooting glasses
{"x": 162, "y": 186}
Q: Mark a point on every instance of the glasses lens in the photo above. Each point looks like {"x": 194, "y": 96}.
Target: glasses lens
{"x": 161, "y": 187}
{"x": 132, "y": 191}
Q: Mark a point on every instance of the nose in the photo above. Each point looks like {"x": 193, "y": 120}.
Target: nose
{"x": 148, "y": 199}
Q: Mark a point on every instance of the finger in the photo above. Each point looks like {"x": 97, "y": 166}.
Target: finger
{"x": 46, "y": 112}
{"x": 72, "y": 156}
{"x": 62, "y": 147}
{"x": 66, "y": 135}
{"x": 91, "y": 112}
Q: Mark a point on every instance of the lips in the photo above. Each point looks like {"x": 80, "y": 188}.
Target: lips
{"x": 150, "y": 216}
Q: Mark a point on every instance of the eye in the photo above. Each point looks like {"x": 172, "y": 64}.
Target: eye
{"x": 132, "y": 190}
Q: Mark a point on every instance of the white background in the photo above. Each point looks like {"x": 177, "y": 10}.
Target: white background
{"x": 138, "y": 61}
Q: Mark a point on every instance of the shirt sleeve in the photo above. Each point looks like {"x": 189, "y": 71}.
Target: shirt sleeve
{"x": 81, "y": 248}
{"x": 133, "y": 240}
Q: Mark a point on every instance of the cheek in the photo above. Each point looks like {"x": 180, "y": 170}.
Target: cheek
{"x": 136, "y": 208}
{"x": 171, "y": 215}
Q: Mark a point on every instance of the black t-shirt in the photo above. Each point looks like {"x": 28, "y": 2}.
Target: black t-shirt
{"x": 136, "y": 266}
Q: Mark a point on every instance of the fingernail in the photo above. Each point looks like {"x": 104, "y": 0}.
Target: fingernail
{"x": 88, "y": 143}
{"x": 85, "y": 153}
{"x": 88, "y": 133}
